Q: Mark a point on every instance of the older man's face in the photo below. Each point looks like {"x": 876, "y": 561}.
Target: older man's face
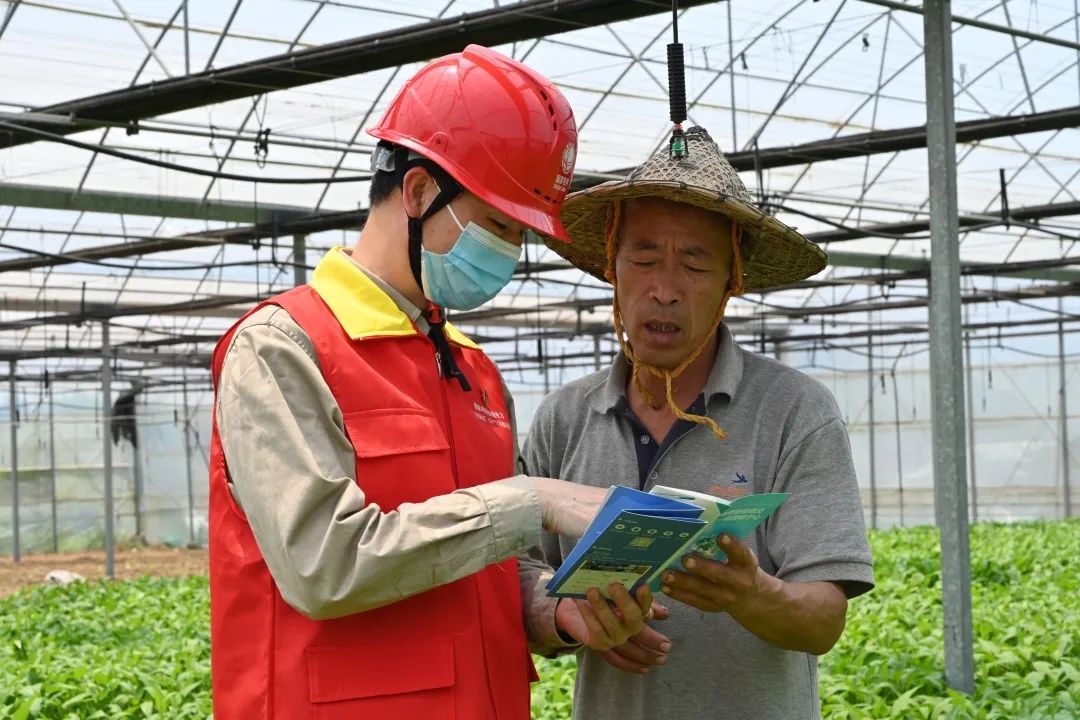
{"x": 672, "y": 269}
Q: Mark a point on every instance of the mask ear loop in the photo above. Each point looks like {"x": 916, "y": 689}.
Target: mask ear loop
{"x": 734, "y": 288}
{"x": 448, "y": 190}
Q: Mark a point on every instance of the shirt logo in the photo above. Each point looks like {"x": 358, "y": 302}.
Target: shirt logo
{"x": 739, "y": 478}
{"x": 728, "y": 492}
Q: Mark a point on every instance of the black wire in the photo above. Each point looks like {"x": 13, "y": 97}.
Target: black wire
{"x": 865, "y": 231}
{"x": 105, "y": 150}
{"x": 1051, "y": 311}
{"x": 73, "y": 258}
{"x": 990, "y": 223}
{"x": 1041, "y": 228}
{"x": 845, "y": 304}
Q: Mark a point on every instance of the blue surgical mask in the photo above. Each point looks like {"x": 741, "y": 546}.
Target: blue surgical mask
{"x": 478, "y": 266}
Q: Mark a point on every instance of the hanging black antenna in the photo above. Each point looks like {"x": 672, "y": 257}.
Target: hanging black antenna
{"x": 676, "y": 87}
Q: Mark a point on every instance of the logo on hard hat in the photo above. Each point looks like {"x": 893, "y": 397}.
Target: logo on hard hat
{"x": 568, "y": 156}
{"x": 562, "y": 180}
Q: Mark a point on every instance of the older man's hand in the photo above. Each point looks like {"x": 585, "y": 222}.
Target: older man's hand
{"x": 599, "y": 626}
{"x": 801, "y": 616}
{"x": 714, "y": 586}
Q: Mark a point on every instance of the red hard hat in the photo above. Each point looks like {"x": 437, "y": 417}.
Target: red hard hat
{"x": 500, "y": 129}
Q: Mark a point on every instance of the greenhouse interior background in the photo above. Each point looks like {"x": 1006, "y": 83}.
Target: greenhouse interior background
{"x": 166, "y": 165}
{"x": 820, "y": 105}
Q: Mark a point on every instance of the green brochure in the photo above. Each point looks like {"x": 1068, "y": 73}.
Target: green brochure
{"x": 635, "y": 536}
{"x": 738, "y": 518}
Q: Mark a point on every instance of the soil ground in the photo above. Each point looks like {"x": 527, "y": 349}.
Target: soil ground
{"x": 129, "y": 563}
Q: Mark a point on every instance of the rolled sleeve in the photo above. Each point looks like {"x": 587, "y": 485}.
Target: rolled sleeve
{"x": 534, "y": 571}
{"x": 514, "y": 508}
{"x": 539, "y": 609}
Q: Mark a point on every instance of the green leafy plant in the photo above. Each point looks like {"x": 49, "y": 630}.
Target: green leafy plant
{"x": 107, "y": 650}
{"x": 141, "y": 649}
{"x": 1026, "y": 618}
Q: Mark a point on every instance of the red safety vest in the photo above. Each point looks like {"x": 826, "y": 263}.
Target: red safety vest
{"x": 455, "y": 651}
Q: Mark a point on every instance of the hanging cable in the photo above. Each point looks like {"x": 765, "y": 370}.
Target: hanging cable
{"x": 1004, "y": 197}
{"x": 677, "y": 146}
{"x": 76, "y": 258}
{"x": 105, "y": 150}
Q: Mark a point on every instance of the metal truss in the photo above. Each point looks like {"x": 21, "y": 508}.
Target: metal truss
{"x": 507, "y": 23}
{"x": 414, "y": 43}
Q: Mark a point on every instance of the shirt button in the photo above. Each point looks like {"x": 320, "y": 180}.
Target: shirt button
{"x": 654, "y": 477}
{"x": 644, "y": 439}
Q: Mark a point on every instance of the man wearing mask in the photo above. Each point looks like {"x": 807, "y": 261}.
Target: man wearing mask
{"x": 365, "y": 511}
{"x": 684, "y": 406}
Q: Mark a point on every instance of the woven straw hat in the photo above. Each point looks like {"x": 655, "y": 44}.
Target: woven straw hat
{"x": 772, "y": 253}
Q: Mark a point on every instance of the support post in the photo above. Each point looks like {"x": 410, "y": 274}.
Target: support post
{"x": 187, "y": 465}
{"x": 731, "y": 78}
{"x": 1063, "y": 422}
{"x": 970, "y": 397}
{"x": 870, "y": 430}
{"x": 946, "y": 357}
{"x": 299, "y": 254}
{"x": 544, "y": 368}
{"x": 137, "y": 471}
{"x": 16, "y": 551}
{"x": 106, "y": 434}
{"x": 899, "y": 440}
{"x": 187, "y": 41}
{"x": 52, "y": 470}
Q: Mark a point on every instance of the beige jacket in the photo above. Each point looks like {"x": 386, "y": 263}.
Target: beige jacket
{"x": 292, "y": 468}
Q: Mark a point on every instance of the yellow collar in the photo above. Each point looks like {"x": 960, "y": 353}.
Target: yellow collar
{"x": 363, "y": 309}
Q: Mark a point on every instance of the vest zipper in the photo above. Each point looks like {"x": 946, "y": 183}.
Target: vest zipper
{"x": 457, "y": 484}
{"x": 446, "y": 415}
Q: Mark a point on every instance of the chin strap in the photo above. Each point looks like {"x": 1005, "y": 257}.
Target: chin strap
{"x": 449, "y": 188}
{"x": 444, "y": 355}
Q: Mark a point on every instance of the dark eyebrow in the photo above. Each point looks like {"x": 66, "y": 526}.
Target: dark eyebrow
{"x": 505, "y": 227}
{"x": 645, "y": 244}
{"x": 696, "y": 251}
{"x": 642, "y": 244}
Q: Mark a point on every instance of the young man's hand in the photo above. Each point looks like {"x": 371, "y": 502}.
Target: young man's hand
{"x": 567, "y": 508}
{"x": 644, "y": 651}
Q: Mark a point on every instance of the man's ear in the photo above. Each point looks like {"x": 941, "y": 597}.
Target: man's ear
{"x": 417, "y": 191}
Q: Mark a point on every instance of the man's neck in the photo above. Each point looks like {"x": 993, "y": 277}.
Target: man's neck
{"x": 685, "y": 388}
{"x": 387, "y": 258}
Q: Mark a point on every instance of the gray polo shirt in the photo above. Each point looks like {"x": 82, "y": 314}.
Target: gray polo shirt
{"x": 785, "y": 434}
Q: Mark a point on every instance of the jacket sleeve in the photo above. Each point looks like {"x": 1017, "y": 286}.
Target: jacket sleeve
{"x": 534, "y": 572}
{"x": 291, "y": 469}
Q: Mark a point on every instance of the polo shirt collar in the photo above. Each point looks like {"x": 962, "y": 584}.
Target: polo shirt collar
{"x": 724, "y": 378}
